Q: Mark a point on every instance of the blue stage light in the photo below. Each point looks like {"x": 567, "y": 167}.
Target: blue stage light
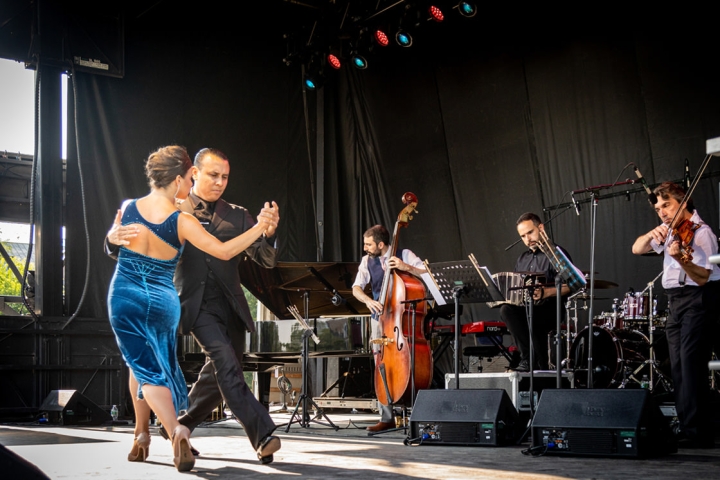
{"x": 403, "y": 38}
{"x": 359, "y": 62}
{"x": 467, "y": 9}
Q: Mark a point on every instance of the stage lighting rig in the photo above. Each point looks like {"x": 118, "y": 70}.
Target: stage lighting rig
{"x": 381, "y": 37}
{"x": 436, "y": 13}
{"x": 403, "y": 38}
{"x": 466, "y": 9}
{"x": 314, "y": 73}
{"x": 334, "y": 61}
{"x": 358, "y": 61}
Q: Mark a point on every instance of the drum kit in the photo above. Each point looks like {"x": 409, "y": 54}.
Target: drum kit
{"x": 625, "y": 342}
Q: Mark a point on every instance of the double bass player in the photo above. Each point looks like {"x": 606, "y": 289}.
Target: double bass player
{"x": 376, "y": 244}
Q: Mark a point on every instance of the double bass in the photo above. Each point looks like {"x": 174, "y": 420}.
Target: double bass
{"x": 399, "y": 373}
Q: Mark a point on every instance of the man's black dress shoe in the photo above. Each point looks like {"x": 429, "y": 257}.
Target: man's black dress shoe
{"x": 268, "y": 446}
{"x": 523, "y": 366}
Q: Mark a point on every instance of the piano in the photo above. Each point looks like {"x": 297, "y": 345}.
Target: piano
{"x": 341, "y": 322}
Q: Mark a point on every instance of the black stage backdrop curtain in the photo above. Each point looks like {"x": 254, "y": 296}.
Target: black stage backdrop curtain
{"x": 481, "y": 126}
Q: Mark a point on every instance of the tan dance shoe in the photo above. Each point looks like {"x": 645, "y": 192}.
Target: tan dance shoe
{"x": 140, "y": 449}
{"x": 183, "y": 457}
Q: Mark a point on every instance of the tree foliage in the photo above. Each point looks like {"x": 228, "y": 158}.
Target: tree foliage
{"x": 9, "y": 284}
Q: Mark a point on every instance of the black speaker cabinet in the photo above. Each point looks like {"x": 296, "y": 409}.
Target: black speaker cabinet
{"x": 70, "y": 407}
{"x": 463, "y": 417}
{"x": 615, "y": 423}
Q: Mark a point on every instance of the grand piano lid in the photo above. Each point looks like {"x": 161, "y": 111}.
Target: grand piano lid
{"x": 328, "y": 284}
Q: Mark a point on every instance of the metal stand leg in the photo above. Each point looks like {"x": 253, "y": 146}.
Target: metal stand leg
{"x": 305, "y": 401}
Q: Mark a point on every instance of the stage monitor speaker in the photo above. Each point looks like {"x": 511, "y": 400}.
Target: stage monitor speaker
{"x": 70, "y": 407}
{"x": 463, "y": 417}
{"x": 615, "y": 423}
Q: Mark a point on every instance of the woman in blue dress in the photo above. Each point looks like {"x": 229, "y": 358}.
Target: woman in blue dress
{"x": 144, "y": 308}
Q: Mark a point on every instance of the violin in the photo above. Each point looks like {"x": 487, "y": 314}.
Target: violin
{"x": 685, "y": 232}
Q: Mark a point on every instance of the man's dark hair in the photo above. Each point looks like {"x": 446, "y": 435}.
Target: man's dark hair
{"x": 668, "y": 190}
{"x": 378, "y": 234}
{"x": 529, "y": 216}
{"x": 200, "y": 156}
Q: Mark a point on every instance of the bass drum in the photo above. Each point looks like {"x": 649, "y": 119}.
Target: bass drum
{"x": 615, "y": 354}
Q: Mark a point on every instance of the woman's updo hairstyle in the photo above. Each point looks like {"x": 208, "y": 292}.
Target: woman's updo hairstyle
{"x": 165, "y": 164}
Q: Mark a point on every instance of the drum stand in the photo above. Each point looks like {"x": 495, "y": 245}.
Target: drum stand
{"x": 650, "y": 362}
{"x": 572, "y": 319}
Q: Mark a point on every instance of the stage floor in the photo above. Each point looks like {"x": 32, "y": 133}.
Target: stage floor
{"x": 319, "y": 452}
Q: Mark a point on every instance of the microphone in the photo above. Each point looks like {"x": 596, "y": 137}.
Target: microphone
{"x": 652, "y": 198}
{"x": 687, "y": 175}
{"x": 337, "y": 299}
{"x": 575, "y": 203}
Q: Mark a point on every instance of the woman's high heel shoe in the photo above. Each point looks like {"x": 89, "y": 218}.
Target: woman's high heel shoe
{"x": 183, "y": 457}
{"x": 140, "y": 449}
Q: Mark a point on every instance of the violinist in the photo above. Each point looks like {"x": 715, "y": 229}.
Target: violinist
{"x": 692, "y": 285}
{"x": 376, "y": 244}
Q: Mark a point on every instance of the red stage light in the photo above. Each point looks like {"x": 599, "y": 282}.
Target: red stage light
{"x": 381, "y": 38}
{"x": 334, "y": 61}
{"x": 436, "y": 13}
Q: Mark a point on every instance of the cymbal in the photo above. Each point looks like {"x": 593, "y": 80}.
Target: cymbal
{"x": 586, "y": 296}
{"x": 604, "y": 284}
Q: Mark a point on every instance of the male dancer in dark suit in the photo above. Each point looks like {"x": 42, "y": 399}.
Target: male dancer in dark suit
{"x": 214, "y": 309}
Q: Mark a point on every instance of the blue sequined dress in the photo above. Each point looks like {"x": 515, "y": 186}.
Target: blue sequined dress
{"x": 144, "y": 310}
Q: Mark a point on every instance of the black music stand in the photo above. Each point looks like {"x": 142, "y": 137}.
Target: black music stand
{"x": 305, "y": 399}
{"x": 458, "y": 282}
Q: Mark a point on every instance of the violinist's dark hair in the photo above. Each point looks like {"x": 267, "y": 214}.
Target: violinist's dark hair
{"x": 668, "y": 190}
{"x": 529, "y": 216}
{"x": 378, "y": 234}
{"x": 165, "y": 164}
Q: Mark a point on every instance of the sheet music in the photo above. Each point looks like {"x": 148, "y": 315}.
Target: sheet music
{"x": 431, "y": 285}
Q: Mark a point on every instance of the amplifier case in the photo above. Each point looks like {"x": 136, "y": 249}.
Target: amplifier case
{"x": 617, "y": 423}
{"x": 463, "y": 417}
{"x": 516, "y": 384}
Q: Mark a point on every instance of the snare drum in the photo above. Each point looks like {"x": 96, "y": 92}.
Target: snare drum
{"x": 510, "y": 285}
{"x": 636, "y": 306}
{"x": 609, "y": 320}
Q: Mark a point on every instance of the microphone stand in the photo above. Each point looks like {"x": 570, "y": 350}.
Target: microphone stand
{"x": 558, "y": 335}
{"x": 592, "y": 286}
{"x": 594, "y": 191}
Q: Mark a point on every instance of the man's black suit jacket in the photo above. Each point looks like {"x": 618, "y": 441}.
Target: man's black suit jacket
{"x": 228, "y": 221}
